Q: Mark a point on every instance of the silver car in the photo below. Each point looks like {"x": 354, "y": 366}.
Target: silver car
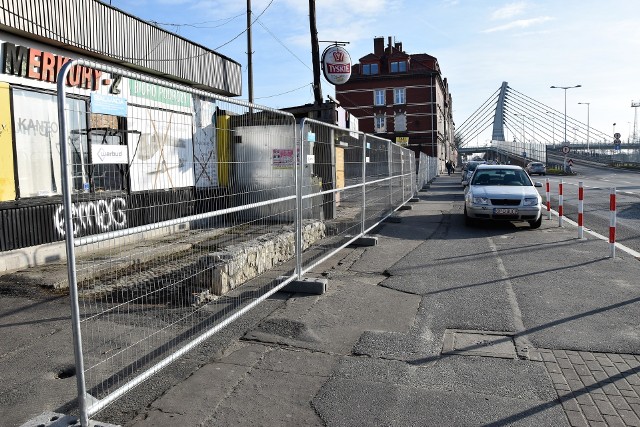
{"x": 536, "y": 168}
{"x": 469, "y": 168}
{"x": 502, "y": 193}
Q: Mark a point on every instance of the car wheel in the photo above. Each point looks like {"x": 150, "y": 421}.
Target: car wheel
{"x": 536, "y": 224}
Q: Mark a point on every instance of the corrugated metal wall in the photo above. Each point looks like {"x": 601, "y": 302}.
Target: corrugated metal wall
{"x": 101, "y": 30}
{"x": 35, "y": 223}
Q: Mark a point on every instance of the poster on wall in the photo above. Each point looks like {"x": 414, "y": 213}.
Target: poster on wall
{"x": 37, "y": 143}
{"x": 282, "y": 158}
{"x": 162, "y": 155}
{"x": 205, "y": 147}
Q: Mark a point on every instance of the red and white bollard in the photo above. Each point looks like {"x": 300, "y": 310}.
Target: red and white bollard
{"x": 560, "y": 204}
{"x": 612, "y": 222}
{"x": 548, "y": 198}
{"x": 580, "y": 210}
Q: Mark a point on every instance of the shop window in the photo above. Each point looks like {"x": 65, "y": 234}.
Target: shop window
{"x": 107, "y": 177}
{"x": 378, "y": 97}
{"x": 161, "y": 152}
{"x": 398, "y": 66}
{"x": 38, "y": 146}
{"x": 399, "y": 95}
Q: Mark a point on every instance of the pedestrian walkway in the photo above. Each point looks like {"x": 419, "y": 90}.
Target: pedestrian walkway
{"x": 438, "y": 325}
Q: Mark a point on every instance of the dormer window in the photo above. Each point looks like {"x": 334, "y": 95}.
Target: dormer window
{"x": 398, "y": 66}
{"x": 369, "y": 69}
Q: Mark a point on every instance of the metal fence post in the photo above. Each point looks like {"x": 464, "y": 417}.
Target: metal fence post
{"x": 70, "y": 248}
{"x": 364, "y": 184}
{"x": 390, "y": 163}
{"x": 299, "y": 163}
{"x": 402, "y": 173}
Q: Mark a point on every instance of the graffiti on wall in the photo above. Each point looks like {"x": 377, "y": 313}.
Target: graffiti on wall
{"x": 97, "y": 216}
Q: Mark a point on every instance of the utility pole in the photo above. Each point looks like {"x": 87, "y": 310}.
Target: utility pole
{"x": 315, "y": 53}
{"x": 249, "y": 54}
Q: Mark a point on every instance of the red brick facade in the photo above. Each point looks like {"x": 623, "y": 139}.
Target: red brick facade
{"x": 374, "y": 93}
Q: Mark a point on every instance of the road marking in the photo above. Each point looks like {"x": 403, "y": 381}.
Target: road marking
{"x": 622, "y": 247}
{"x": 522, "y": 342}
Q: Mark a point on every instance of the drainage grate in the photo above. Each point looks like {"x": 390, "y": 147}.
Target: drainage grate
{"x": 479, "y": 343}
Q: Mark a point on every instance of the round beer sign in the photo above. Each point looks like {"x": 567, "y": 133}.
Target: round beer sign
{"x": 336, "y": 64}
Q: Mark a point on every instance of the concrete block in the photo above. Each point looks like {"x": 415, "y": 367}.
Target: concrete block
{"x": 365, "y": 241}
{"x": 393, "y": 219}
{"x": 307, "y": 285}
{"x": 414, "y": 200}
{"x": 405, "y": 208}
{"x": 53, "y": 419}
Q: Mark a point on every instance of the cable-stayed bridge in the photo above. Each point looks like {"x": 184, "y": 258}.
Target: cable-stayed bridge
{"x": 527, "y": 128}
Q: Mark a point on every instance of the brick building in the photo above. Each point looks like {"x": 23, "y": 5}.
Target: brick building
{"x": 402, "y": 97}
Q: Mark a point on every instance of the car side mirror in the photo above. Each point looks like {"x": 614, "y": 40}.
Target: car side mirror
{"x": 465, "y": 183}
{"x": 537, "y": 184}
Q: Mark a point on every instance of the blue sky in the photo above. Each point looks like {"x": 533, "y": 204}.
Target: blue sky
{"x": 532, "y": 44}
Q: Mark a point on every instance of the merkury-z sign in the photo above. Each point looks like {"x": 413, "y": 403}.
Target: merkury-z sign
{"x": 36, "y": 64}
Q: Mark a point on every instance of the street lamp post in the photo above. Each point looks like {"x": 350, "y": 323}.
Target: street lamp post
{"x": 565, "y": 114}
{"x": 587, "y": 104}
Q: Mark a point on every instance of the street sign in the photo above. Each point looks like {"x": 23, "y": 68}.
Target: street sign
{"x": 566, "y": 149}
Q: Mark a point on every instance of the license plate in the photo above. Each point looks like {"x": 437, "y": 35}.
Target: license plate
{"x": 503, "y": 211}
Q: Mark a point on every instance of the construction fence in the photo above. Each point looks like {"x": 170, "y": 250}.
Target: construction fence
{"x": 183, "y": 210}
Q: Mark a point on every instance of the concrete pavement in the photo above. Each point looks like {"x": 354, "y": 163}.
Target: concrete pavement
{"x": 401, "y": 336}
{"x": 438, "y": 325}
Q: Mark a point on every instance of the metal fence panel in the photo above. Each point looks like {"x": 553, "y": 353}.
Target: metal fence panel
{"x": 353, "y": 182}
{"x": 178, "y": 205}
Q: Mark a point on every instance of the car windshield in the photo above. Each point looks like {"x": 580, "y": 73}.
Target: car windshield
{"x": 510, "y": 177}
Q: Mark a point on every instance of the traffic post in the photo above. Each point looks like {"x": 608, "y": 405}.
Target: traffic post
{"x": 612, "y": 222}
{"x": 548, "y": 198}
{"x": 560, "y": 204}
{"x": 580, "y": 210}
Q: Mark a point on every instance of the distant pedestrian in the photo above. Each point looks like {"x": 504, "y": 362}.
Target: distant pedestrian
{"x": 448, "y": 166}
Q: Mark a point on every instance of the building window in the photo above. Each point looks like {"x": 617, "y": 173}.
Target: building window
{"x": 398, "y": 66}
{"x": 399, "y": 95}
{"x": 369, "y": 69}
{"x": 378, "y": 97}
{"x": 380, "y": 123}
{"x": 400, "y": 122}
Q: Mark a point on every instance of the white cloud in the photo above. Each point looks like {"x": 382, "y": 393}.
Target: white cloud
{"x": 509, "y": 11}
{"x": 519, "y": 24}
